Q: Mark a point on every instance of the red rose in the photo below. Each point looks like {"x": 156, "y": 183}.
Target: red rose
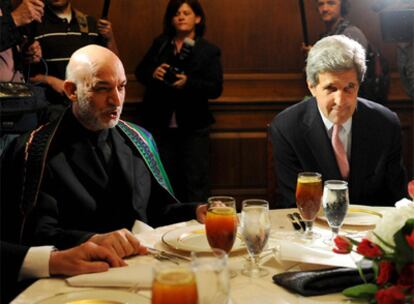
{"x": 392, "y": 295}
{"x": 369, "y": 249}
{"x": 410, "y": 239}
{"x": 343, "y": 245}
{"x": 385, "y": 270}
{"x": 411, "y": 189}
{"x": 406, "y": 276}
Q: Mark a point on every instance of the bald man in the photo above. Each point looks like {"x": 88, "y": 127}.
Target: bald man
{"x": 88, "y": 175}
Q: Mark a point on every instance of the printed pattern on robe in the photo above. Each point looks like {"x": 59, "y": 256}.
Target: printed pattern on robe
{"x": 143, "y": 141}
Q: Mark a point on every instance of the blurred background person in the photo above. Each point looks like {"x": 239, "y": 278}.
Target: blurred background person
{"x": 180, "y": 72}
{"x": 62, "y": 31}
{"x": 397, "y": 26}
{"x": 15, "y": 51}
{"x": 333, "y": 14}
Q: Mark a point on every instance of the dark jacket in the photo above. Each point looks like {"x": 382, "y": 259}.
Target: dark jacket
{"x": 205, "y": 81}
{"x": 78, "y": 196}
{"x": 301, "y": 143}
{"x": 12, "y": 257}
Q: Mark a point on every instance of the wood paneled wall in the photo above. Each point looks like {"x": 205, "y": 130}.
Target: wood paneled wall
{"x": 263, "y": 65}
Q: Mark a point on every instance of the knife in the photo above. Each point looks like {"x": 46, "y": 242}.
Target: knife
{"x": 300, "y": 220}
{"x": 294, "y": 222}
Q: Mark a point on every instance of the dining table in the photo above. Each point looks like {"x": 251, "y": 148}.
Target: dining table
{"x": 243, "y": 289}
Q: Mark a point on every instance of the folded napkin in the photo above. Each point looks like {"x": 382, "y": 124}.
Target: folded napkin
{"x": 319, "y": 282}
{"x": 320, "y": 254}
{"x": 128, "y": 276}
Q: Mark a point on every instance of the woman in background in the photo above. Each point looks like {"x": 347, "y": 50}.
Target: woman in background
{"x": 181, "y": 72}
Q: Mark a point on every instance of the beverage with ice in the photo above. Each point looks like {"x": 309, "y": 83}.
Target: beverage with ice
{"x": 221, "y": 223}
{"x": 335, "y": 203}
{"x": 308, "y": 198}
{"x": 174, "y": 286}
{"x": 255, "y": 229}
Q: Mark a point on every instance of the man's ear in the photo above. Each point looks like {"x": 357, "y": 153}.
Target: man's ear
{"x": 70, "y": 90}
{"x": 311, "y": 88}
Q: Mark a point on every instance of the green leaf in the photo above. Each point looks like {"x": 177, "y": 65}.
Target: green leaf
{"x": 361, "y": 291}
{"x": 404, "y": 254}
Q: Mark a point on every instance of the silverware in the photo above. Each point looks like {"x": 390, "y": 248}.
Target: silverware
{"x": 294, "y": 222}
{"x": 301, "y": 222}
{"x": 168, "y": 255}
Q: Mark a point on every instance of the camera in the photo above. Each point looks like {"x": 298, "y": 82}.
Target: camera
{"x": 171, "y": 75}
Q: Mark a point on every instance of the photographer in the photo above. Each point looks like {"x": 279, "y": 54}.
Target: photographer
{"x": 181, "y": 71}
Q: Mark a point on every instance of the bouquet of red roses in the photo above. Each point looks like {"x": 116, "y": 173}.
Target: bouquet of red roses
{"x": 391, "y": 249}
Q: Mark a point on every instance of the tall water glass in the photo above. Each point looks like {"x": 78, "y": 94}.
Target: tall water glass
{"x": 221, "y": 222}
{"x": 174, "y": 284}
{"x": 212, "y": 276}
{"x": 335, "y": 202}
{"x": 255, "y": 229}
{"x": 308, "y": 199}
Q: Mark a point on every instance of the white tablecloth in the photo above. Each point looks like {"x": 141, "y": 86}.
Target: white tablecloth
{"x": 243, "y": 289}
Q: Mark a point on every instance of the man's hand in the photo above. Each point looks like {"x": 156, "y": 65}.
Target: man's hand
{"x": 105, "y": 29}
{"x": 28, "y": 11}
{"x": 86, "y": 258}
{"x": 33, "y": 53}
{"x": 121, "y": 242}
{"x": 54, "y": 82}
{"x": 201, "y": 213}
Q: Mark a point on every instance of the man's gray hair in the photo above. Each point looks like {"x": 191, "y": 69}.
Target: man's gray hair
{"x": 335, "y": 53}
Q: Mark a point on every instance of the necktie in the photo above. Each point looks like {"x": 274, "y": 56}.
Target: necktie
{"x": 340, "y": 154}
{"x": 104, "y": 149}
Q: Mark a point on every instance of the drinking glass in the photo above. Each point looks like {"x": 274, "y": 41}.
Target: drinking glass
{"x": 255, "y": 229}
{"x": 308, "y": 199}
{"x": 221, "y": 222}
{"x": 212, "y": 276}
{"x": 335, "y": 202}
{"x": 174, "y": 284}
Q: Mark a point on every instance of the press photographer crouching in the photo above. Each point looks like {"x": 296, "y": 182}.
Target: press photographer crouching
{"x": 181, "y": 71}
{"x": 19, "y": 102}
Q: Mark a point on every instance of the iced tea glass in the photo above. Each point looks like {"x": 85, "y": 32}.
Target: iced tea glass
{"x": 174, "y": 284}
{"x": 221, "y": 222}
{"x": 308, "y": 199}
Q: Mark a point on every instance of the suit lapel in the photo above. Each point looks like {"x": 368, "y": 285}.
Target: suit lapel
{"x": 319, "y": 143}
{"x": 124, "y": 156}
{"x": 359, "y": 152}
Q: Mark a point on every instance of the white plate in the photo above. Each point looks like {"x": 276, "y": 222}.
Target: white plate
{"x": 193, "y": 238}
{"x": 359, "y": 215}
{"x": 100, "y": 296}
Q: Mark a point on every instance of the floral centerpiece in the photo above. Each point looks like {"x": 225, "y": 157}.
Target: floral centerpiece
{"x": 390, "y": 247}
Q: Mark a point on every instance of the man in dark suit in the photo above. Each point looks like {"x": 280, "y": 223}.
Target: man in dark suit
{"x": 88, "y": 175}
{"x": 303, "y": 135}
{"x": 21, "y": 263}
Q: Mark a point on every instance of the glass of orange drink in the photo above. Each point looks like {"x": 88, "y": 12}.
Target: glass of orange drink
{"x": 308, "y": 199}
{"x": 221, "y": 222}
{"x": 174, "y": 284}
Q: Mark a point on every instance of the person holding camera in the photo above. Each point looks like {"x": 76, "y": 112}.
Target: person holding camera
{"x": 181, "y": 72}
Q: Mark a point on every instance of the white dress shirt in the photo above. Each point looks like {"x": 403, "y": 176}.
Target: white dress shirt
{"x": 36, "y": 263}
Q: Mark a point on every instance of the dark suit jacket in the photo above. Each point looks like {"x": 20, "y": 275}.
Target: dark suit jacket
{"x": 205, "y": 81}
{"x": 12, "y": 257}
{"x": 301, "y": 143}
{"x": 78, "y": 198}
